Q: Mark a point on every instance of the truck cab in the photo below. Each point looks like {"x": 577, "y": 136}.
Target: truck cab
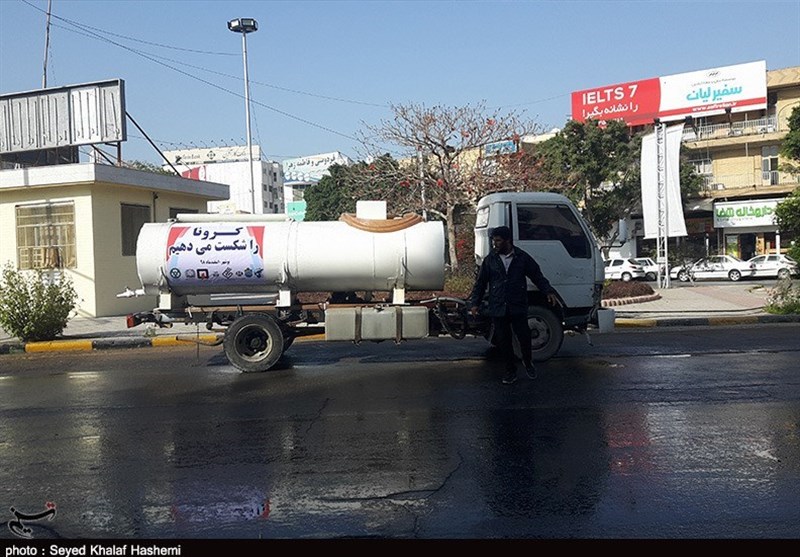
{"x": 555, "y": 234}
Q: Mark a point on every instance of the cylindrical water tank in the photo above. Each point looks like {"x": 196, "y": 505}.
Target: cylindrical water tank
{"x": 219, "y": 257}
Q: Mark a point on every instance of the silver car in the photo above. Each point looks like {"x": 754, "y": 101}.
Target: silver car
{"x": 623, "y": 269}
{"x": 773, "y": 266}
{"x": 712, "y": 267}
{"x": 650, "y": 267}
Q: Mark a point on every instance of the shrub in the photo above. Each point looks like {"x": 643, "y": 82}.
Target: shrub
{"x": 784, "y": 298}
{"x": 32, "y": 307}
{"x": 613, "y": 289}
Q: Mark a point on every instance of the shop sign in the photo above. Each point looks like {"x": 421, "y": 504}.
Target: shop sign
{"x": 758, "y": 212}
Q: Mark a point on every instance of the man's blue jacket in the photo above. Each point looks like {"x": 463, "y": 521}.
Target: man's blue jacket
{"x": 508, "y": 291}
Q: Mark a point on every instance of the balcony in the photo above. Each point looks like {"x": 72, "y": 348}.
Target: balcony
{"x": 726, "y": 130}
{"x": 756, "y": 180}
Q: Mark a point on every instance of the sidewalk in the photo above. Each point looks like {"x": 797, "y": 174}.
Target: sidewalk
{"x": 704, "y": 305}
{"x": 699, "y": 304}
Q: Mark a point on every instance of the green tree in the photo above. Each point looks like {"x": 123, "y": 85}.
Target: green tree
{"x": 787, "y": 217}
{"x": 790, "y": 148}
{"x": 599, "y": 169}
{"x": 331, "y": 196}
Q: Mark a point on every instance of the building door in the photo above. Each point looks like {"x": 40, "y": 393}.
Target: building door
{"x": 747, "y": 246}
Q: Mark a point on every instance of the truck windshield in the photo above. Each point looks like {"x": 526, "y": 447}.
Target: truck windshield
{"x": 555, "y": 223}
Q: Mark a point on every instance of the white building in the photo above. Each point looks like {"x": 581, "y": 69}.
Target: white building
{"x": 83, "y": 220}
{"x": 231, "y": 166}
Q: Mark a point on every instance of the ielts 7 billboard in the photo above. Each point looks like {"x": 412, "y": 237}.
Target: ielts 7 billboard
{"x": 736, "y": 88}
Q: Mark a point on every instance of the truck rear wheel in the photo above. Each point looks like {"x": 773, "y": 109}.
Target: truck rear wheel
{"x": 547, "y": 333}
{"x": 254, "y": 343}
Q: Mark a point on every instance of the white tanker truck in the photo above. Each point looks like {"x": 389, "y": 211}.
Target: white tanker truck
{"x": 196, "y": 255}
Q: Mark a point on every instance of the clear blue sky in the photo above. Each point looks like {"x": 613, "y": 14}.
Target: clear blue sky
{"x": 525, "y": 55}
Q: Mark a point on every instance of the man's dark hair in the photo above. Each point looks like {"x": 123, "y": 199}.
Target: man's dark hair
{"x": 502, "y": 231}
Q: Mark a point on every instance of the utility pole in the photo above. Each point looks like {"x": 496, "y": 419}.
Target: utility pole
{"x": 662, "y": 243}
{"x": 422, "y": 184}
{"x": 244, "y": 26}
{"x": 46, "y": 44}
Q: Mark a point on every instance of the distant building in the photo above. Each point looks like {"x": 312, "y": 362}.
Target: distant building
{"x": 735, "y": 120}
{"x": 231, "y": 166}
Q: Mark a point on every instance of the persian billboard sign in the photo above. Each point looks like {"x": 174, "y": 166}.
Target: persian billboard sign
{"x": 737, "y": 88}
{"x": 59, "y": 117}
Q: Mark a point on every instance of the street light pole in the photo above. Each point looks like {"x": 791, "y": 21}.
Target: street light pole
{"x": 244, "y": 26}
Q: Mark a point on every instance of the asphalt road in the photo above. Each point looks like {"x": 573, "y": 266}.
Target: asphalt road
{"x": 679, "y": 433}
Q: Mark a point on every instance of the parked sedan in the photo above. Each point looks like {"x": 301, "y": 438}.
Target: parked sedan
{"x": 712, "y": 267}
{"x": 774, "y": 265}
{"x": 623, "y": 269}
{"x": 650, "y": 267}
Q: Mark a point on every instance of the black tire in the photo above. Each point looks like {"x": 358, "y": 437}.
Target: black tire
{"x": 254, "y": 343}
{"x": 683, "y": 276}
{"x": 626, "y": 277}
{"x": 783, "y": 274}
{"x": 547, "y": 333}
{"x": 650, "y": 276}
{"x": 734, "y": 275}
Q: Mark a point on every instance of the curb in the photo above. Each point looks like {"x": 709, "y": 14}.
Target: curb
{"x": 633, "y": 300}
{"x": 87, "y": 345}
{"x": 706, "y": 321}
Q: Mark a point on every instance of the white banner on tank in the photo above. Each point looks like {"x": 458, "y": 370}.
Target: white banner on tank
{"x": 215, "y": 253}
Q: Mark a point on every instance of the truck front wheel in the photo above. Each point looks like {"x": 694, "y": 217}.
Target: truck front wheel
{"x": 254, "y": 343}
{"x": 547, "y": 333}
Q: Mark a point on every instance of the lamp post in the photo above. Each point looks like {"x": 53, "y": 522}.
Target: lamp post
{"x": 245, "y": 25}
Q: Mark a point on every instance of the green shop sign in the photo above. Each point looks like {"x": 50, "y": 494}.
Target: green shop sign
{"x": 745, "y": 213}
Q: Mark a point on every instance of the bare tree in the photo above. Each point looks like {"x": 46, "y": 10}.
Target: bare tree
{"x": 449, "y": 141}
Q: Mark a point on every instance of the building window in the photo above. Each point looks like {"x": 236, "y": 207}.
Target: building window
{"x": 702, "y": 166}
{"x": 769, "y": 165}
{"x": 133, "y": 217}
{"x": 175, "y": 211}
{"x": 46, "y": 236}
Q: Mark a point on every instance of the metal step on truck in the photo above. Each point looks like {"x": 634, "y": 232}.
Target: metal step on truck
{"x": 188, "y": 260}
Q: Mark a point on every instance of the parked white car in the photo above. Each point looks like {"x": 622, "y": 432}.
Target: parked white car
{"x": 773, "y": 266}
{"x": 712, "y": 267}
{"x": 623, "y": 269}
{"x": 650, "y": 267}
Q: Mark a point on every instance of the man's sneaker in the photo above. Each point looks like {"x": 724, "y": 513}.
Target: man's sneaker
{"x": 530, "y": 370}
{"x": 510, "y": 377}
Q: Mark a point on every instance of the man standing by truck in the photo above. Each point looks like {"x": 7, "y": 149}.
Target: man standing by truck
{"x": 504, "y": 271}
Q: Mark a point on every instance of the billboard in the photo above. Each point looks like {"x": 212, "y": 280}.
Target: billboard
{"x": 312, "y": 168}
{"x": 208, "y": 155}
{"x": 737, "y": 88}
{"x": 59, "y": 117}
{"x": 506, "y": 147}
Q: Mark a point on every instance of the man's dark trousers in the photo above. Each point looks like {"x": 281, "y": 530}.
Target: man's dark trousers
{"x": 503, "y": 327}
